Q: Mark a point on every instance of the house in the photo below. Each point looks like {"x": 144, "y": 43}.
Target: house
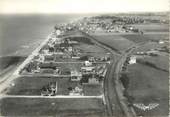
{"x": 57, "y": 70}
{"x": 77, "y": 91}
{"x": 132, "y": 60}
{"x": 91, "y": 59}
{"x": 47, "y": 65}
{"x": 88, "y": 63}
{"x": 93, "y": 80}
{"x": 45, "y": 51}
{"x": 31, "y": 66}
{"x": 49, "y": 68}
{"x": 70, "y": 49}
{"x": 88, "y": 70}
{"x": 76, "y": 76}
{"x": 40, "y": 58}
{"x": 58, "y": 32}
{"x": 47, "y": 71}
{"x": 58, "y": 40}
{"x": 161, "y": 42}
{"x": 49, "y": 57}
{"x": 58, "y": 55}
{"x": 50, "y": 89}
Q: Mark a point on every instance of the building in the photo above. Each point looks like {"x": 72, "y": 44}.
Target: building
{"x": 49, "y": 68}
{"x": 39, "y": 58}
{"x": 70, "y": 49}
{"x": 88, "y": 70}
{"x": 76, "y": 76}
{"x": 91, "y": 59}
{"x": 88, "y": 63}
{"x": 58, "y": 40}
{"x": 58, "y": 32}
{"x": 132, "y": 60}
{"x": 93, "y": 80}
{"x": 77, "y": 91}
{"x": 50, "y": 89}
{"x": 49, "y": 57}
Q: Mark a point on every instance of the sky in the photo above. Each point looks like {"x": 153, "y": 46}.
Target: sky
{"x": 82, "y": 6}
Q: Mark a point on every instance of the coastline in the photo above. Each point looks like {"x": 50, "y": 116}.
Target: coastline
{"x": 9, "y": 62}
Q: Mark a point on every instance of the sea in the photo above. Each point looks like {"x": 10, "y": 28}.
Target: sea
{"x": 20, "y": 34}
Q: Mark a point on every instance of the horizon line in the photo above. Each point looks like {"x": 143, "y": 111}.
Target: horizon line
{"x": 129, "y": 12}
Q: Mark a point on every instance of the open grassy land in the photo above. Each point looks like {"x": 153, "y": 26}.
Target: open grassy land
{"x": 148, "y": 85}
{"x": 92, "y": 90}
{"x": 157, "y": 36}
{"x": 33, "y": 85}
{"x": 91, "y": 48}
{"x": 136, "y": 38}
{"x": 82, "y": 39}
{"x": 51, "y": 107}
{"x": 152, "y": 27}
{"x": 158, "y": 62}
{"x": 148, "y": 46}
{"x": 116, "y": 42}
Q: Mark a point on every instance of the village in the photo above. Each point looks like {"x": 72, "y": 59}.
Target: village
{"x": 64, "y": 58}
{"x": 103, "y": 25}
{"x": 94, "y": 65}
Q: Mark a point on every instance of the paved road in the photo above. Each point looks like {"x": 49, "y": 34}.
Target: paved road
{"x": 63, "y": 62}
{"x": 130, "y": 33}
{"x": 113, "y": 106}
{"x": 116, "y": 103}
{"x": 58, "y": 96}
{"x": 129, "y": 111}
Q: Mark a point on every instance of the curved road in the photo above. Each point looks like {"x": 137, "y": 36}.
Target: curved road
{"x": 116, "y": 103}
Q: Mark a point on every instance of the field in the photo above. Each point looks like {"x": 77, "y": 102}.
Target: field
{"x": 136, "y": 38}
{"x": 149, "y": 85}
{"x": 33, "y": 85}
{"x": 158, "y": 62}
{"x": 116, "y": 42}
{"x": 92, "y": 90}
{"x": 51, "y": 107}
{"x": 152, "y": 27}
{"x": 157, "y": 36}
{"x": 91, "y": 48}
{"x": 148, "y": 46}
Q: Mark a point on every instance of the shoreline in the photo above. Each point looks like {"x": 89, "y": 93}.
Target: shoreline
{"x": 7, "y": 61}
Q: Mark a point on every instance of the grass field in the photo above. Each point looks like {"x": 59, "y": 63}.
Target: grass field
{"x": 51, "y": 107}
{"x": 157, "y": 37}
{"x": 149, "y": 85}
{"x": 152, "y": 27}
{"x": 136, "y": 38}
{"x": 148, "y": 46}
{"x": 160, "y": 62}
{"x": 116, "y": 42}
{"x": 82, "y": 39}
{"x": 91, "y": 48}
{"x": 33, "y": 85}
{"x": 92, "y": 90}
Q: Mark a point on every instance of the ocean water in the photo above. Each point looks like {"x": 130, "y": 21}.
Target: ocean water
{"x": 21, "y": 34}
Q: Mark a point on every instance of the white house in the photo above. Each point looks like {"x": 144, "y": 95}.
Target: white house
{"x": 93, "y": 80}
{"x": 88, "y": 63}
{"x": 58, "y": 32}
{"x": 132, "y": 60}
{"x": 76, "y": 76}
{"x": 88, "y": 70}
